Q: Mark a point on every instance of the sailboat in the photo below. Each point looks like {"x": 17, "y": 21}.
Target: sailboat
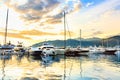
{"x": 109, "y": 50}
{"x": 72, "y": 51}
{"x": 82, "y": 50}
{"x": 19, "y": 47}
{"x": 7, "y": 47}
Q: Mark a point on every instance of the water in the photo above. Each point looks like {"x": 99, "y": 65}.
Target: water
{"x": 93, "y": 67}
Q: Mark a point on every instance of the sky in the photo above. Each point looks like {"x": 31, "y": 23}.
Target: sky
{"x": 33, "y": 21}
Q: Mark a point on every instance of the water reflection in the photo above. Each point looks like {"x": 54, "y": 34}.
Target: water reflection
{"x": 19, "y": 57}
{"x": 118, "y": 56}
{"x": 3, "y": 59}
{"x": 3, "y": 69}
{"x": 80, "y": 67}
{"x": 29, "y": 78}
{"x": 93, "y": 67}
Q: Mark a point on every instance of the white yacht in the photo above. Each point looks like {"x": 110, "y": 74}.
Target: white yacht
{"x": 48, "y": 49}
{"x": 19, "y": 47}
{"x": 35, "y": 51}
{"x": 96, "y": 49}
{"x": 42, "y": 50}
{"x": 6, "y": 49}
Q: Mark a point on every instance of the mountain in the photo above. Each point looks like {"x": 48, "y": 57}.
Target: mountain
{"x": 89, "y": 39}
{"x": 117, "y": 37}
{"x": 111, "y": 41}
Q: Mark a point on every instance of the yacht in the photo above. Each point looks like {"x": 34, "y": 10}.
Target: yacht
{"x": 7, "y": 47}
{"x": 35, "y": 51}
{"x": 48, "y": 49}
{"x": 19, "y": 47}
{"x": 45, "y": 49}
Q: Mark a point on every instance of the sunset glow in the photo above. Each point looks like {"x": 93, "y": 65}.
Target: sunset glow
{"x": 32, "y": 21}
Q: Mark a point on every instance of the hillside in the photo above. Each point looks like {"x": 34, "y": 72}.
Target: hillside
{"x": 112, "y": 41}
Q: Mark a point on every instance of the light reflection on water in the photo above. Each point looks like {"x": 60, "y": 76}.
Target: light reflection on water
{"x": 93, "y": 67}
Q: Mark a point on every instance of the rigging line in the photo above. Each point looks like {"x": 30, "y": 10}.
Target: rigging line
{"x": 68, "y": 28}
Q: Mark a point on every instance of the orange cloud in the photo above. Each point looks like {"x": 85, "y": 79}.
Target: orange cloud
{"x": 53, "y": 21}
{"x": 28, "y": 33}
{"x": 35, "y": 10}
{"x": 70, "y": 33}
{"x": 36, "y": 33}
{"x": 15, "y": 35}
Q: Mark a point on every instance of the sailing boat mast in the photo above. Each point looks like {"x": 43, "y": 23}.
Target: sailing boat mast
{"x": 80, "y": 38}
{"x": 6, "y": 27}
{"x": 64, "y": 32}
{"x": 64, "y": 46}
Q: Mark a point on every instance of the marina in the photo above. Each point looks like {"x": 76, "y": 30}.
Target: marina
{"x": 59, "y": 40}
{"x": 26, "y": 67}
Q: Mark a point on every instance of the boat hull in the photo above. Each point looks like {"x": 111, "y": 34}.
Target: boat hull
{"x": 74, "y": 53}
{"x": 35, "y": 53}
{"x": 110, "y": 52}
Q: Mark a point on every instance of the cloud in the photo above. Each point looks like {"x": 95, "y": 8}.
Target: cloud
{"x": 36, "y": 33}
{"x": 77, "y": 6}
{"x": 89, "y": 4}
{"x": 101, "y": 17}
{"x": 43, "y": 33}
{"x": 97, "y": 33}
{"x": 37, "y": 10}
{"x": 108, "y": 23}
{"x": 97, "y": 10}
{"x": 15, "y": 35}
{"x": 72, "y": 5}
{"x": 26, "y": 34}
{"x": 69, "y": 34}
{"x": 52, "y": 21}
{"x": 48, "y": 28}
{"x": 30, "y": 17}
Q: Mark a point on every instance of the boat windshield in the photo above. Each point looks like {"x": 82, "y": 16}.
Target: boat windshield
{"x": 47, "y": 47}
{"x": 19, "y": 45}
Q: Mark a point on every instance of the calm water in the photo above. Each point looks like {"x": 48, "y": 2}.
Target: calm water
{"x": 93, "y": 67}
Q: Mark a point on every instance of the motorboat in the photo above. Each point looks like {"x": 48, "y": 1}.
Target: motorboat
{"x": 6, "y": 49}
{"x": 7, "y": 46}
{"x": 34, "y": 51}
{"x": 48, "y": 49}
{"x": 19, "y": 47}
